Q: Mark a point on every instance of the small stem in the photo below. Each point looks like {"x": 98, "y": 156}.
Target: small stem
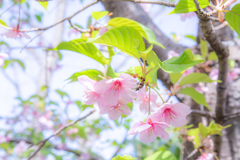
{"x": 141, "y": 67}
{"x": 149, "y": 71}
{"x": 158, "y": 94}
{"x": 212, "y": 6}
{"x": 149, "y": 110}
{"x": 225, "y": 11}
{"x": 214, "y": 154}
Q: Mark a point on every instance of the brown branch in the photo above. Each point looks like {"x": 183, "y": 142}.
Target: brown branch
{"x": 222, "y": 52}
{"x": 169, "y": 4}
{"x": 43, "y": 29}
{"x": 42, "y": 143}
{"x": 203, "y": 113}
{"x": 77, "y": 28}
{"x": 55, "y": 147}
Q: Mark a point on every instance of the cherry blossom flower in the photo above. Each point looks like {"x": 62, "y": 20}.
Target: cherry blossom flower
{"x": 201, "y": 89}
{"x": 15, "y": 33}
{"x": 206, "y": 156}
{"x": 172, "y": 53}
{"x": 46, "y": 121}
{"x": 4, "y": 139}
{"x": 143, "y": 99}
{"x": 174, "y": 114}
{"x": 2, "y": 58}
{"x": 71, "y": 131}
{"x": 150, "y": 130}
{"x": 175, "y": 88}
{"x": 20, "y": 147}
{"x": 221, "y": 6}
{"x": 117, "y": 88}
{"x": 232, "y": 75}
{"x": 91, "y": 96}
{"x": 114, "y": 112}
{"x": 188, "y": 71}
{"x": 214, "y": 74}
{"x": 102, "y": 31}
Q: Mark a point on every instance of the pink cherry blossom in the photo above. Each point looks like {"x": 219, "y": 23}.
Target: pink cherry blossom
{"x": 206, "y": 156}
{"x": 174, "y": 114}
{"x": 4, "y": 139}
{"x": 102, "y": 30}
{"x": 20, "y": 147}
{"x": 232, "y": 75}
{"x": 15, "y": 33}
{"x": 172, "y": 53}
{"x": 117, "y": 88}
{"x": 90, "y": 96}
{"x": 143, "y": 99}
{"x": 150, "y": 130}
{"x": 114, "y": 112}
{"x": 46, "y": 121}
{"x": 188, "y": 71}
{"x": 71, "y": 131}
{"x": 201, "y": 89}
{"x": 214, "y": 74}
{"x": 2, "y": 58}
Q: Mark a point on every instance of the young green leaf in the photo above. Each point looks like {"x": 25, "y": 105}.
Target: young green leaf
{"x": 196, "y": 96}
{"x": 61, "y": 93}
{"x": 143, "y": 30}
{"x": 111, "y": 73}
{"x": 125, "y": 38}
{"x": 19, "y": 62}
{"x": 195, "y": 132}
{"x": 231, "y": 63}
{"x": 175, "y": 77}
{"x": 88, "y": 49}
{"x": 196, "y": 78}
{"x": 3, "y": 23}
{"x": 91, "y": 73}
{"x": 181, "y": 63}
{"x": 161, "y": 155}
{"x": 233, "y": 18}
{"x": 191, "y": 37}
{"x": 204, "y": 48}
{"x": 212, "y": 56}
{"x": 126, "y": 157}
{"x": 185, "y": 6}
{"x": 98, "y": 15}
{"x": 44, "y": 4}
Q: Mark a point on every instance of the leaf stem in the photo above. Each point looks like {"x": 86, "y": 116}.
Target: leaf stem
{"x": 149, "y": 110}
{"x": 158, "y": 94}
{"x": 141, "y": 67}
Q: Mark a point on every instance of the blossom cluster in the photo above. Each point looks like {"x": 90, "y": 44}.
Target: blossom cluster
{"x": 112, "y": 96}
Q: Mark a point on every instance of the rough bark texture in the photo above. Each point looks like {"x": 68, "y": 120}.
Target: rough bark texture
{"x": 135, "y": 12}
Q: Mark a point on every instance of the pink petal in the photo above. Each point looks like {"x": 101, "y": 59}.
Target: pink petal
{"x": 128, "y": 95}
{"x": 138, "y": 127}
{"x": 90, "y": 98}
{"x": 181, "y": 109}
{"x": 102, "y": 30}
{"x": 128, "y": 81}
{"x": 155, "y": 116}
{"x": 160, "y": 132}
{"x": 104, "y": 110}
{"x": 147, "y": 136}
{"x": 114, "y": 114}
{"x": 110, "y": 97}
{"x": 178, "y": 122}
{"x": 221, "y": 16}
{"x": 143, "y": 107}
{"x": 102, "y": 86}
{"x": 153, "y": 96}
{"x": 87, "y": 82}
{"x": 125, "y": 109}
{"x": 229, "y": 2}
{"x": 160, "y": 124}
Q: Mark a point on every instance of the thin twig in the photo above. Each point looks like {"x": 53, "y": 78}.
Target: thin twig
{"x": 42, "y": 143}
{"x": 77, "y": 28}
{"x": 31, "y": 40}
{"x": 7, "y": 9}
{"x": 43, "y": 29}
{"x": 203, "y": 113}
{"x": 169, "y": 4}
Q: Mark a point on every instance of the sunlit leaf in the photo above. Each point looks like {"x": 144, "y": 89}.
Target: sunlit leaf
{"x": 212, "y": 56}
{"x": 204, "y": 48}
{"x": 44, "y": 4}
{"x": 99, "y": 14}
{"x": 91, "y": 73}
{"x": 126, "y": 157}
{"x": 196, "y": 96}
{"x": 143, "y": 30}
{"x": 161, "y": 155}
{"x": 175, "y": 77}
{"x": 233, "y": 18}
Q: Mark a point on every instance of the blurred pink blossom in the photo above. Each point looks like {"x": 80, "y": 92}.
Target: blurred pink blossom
{"x": 102, "y": 31}
{"x": 174, "y": 114}
{"x": 206, "y": 156}
{"x": 72, "y": 131}
{"x": 15, "y": 33}
{"x": 20, "y": 147}
{"x": 149, "y": 130}
{"x": 172, "y": 53}
{"x": 201, "y": 89}
{"x": 142, "y": 98}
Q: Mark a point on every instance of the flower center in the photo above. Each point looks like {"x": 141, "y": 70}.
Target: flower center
{"x": 117, "y": 85}
{"x": 170, "y": 114}
{"x": 117, "y": 107}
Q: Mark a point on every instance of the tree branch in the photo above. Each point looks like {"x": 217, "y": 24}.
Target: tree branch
{"x": 169, "y": 4}
{"x": 222, "y": 52}
{"x": 43, "y": 29}
{"x": 55, "y": 147}
{"x": 42, "y": 143}
{"x": 203, "y": 113}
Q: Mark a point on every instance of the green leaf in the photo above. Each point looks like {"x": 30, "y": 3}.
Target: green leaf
{"x": 185, "y": 6}
{"x": 203, "y": 130}
{"x": 44, "y": 4}
{"x": 87, "y": 49}
{"x": 233, "y": 18}
{"x": 181, "y": 63}
{"x": 231, "y": 63}
{"x": 98, "y": 15}
{"x": 3, "y": 23}
{"x": 125, "y": 38}
{"x": 145, "y": 53}
{"x": 91, "y": 73}
{"x": 3, "y": 43}
{"x": 212, "y": 56}
{"x": 195, "y": 132}
{"x": 38, "y": 17}
{"x": 196, "y": 96}
{"x": 61, "y": 93}
{"x": 191, "y": 37}
{"x": 126, "y": 157}
{"x": 161, "y": 155}
{"x": 94, "y": 34}
{"x": 59, "y": 56}
{"x": 175, "y": 77}
{"x": 143, "y": 30}
{"x": 111, "y": 73}
{"x": 6, "y": 64}
{"x": 204, "y": 48}
{"x": 89, "y": 22}
{"x": 196, "y": 78}
{"x": 153, "y": 60}
{"x": 20, "y": 63}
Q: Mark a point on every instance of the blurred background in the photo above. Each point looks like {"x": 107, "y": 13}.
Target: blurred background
{"x": 36, "y": 98}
